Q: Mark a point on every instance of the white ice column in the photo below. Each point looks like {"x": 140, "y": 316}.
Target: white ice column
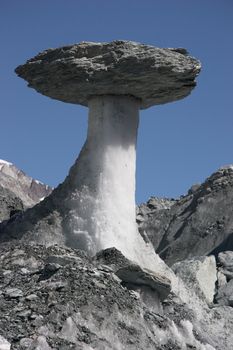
{"x": 103, "y": 201}
{"x": 112, "y": 136}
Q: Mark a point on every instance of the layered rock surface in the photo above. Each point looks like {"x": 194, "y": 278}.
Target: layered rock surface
{"x": 77, "y": 72}
{"x": 198, "y": 223}
{"x": 57, "y": 298}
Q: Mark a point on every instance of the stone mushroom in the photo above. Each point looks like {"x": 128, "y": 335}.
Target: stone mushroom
{"x": 95, "y": 206}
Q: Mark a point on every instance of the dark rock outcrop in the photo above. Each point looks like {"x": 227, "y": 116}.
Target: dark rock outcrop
{"x": 198, "y": 223}
{"x": 9, "y": 204}
{"x": 224, "y": 294}
{"x": 133, "y": 274}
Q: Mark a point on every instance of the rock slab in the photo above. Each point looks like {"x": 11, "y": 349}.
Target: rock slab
{"x": 77, "y": 72}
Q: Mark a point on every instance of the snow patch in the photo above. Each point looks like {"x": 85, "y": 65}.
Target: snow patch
{"x": 5, "y": 162}
{"x": 184, "y": 336}
{"x": 38, "y": 182}
{"x": 226, "y": 167}
{"x": 4, "y": 344}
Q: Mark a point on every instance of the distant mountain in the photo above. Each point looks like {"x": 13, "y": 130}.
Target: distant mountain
{"x": 18, "y": 191}
{"x": 198, "y": 223}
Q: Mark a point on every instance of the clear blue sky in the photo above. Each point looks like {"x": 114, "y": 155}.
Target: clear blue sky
{"x": 179, "y": 143}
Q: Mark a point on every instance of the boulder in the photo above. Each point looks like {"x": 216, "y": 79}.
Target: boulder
{"x": 224, "y": 295}
{"x": 228, "y": 274}
{"x": 111, "y": 257}
{"x": 222, "y": 280}
{"x": 150, "y": 286}
{"x": 133, "y": 274}
{"x": 200, "y": 274}
{"x": 226, "y": 260}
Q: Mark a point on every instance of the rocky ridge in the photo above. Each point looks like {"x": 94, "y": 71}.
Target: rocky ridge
{"x": 199, "y": 223}
{"x": 27, "y": 189}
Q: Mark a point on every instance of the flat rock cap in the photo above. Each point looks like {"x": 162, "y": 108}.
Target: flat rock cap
{"x": 75, "y": 73}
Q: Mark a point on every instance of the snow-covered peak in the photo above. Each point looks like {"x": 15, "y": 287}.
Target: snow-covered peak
{"x": 5, "y": 162}
{"x": 30, "y": 191}
{"x": 227, "y": 167}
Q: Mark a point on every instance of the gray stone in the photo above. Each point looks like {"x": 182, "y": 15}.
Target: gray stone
{"x": 40, "y": 343}
{"x": 225, "y": 294}
{"x": 24, "y": 314}
{"x": 75, "y": 73}
{"x": 222, "y": 280}
{"x": 13, "y": 293}
{"x": 31, "y": 297}
{"x": 136, "y": 275}
{"x": 194, "y": 188}
{"x": 148, "y": 285}
{"x": 111, "y": 257}
{"x": 25, "y": 343}
{"x": 226, "y": 260}
{"x": 228, "y": 274}
{"x": 61, "y": 260}
{"x": 200, "y": 274}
